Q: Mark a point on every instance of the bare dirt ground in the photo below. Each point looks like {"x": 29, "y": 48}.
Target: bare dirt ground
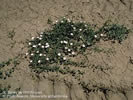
{"x": 24, "y": 18}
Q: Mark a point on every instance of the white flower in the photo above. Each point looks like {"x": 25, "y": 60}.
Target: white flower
{"x": 47, "y": 44}
{"x": 64, "y": 58}
{"x": 89, "y": 44}
{"x": 80, "y": 37}
{"x": 44, "y": 54}
{"x": 73, "y": 53}
{"x": 68, "y": 20}
{"x": 83, "y": 45}
{"x": 37, "y": 51}
{"x": 71, "y": 44}
{"x": 81, "y": 21}
{"x": 61, "y": 42}
{"x": 31, "y": 54}
{"x": 37, "y": 37}
{"x": 101, "y": 35}
{"x": 56, "y": 21}
{"x": 39, "y": 44}
{"x": 66, "y": 47}
{"x": 41, "y": 35}
{"x": 41, "y": 32}
{"x": 65, "y": 42}
{"x": 40, "y": 54}
{"x": 34, "y": 46}
{"x": 74, "y": 28}
{"x": 47, "y": 58}
{"x": 85, "y": 29}
{"x": 59, "y": 54}
{"x": 64, "y": 17}
{"x": 33, "y": 38}
{"x": 80, "y": 29}
{"x": 72, "y": 25}
{"x": 95, "y": 36}
{"x": 71, "y": 34}
{"x": 69, "y": 54}
{"x": 85, "y": 25}
{"x": 62, "y": 21}
{"x": 40, "y": 38}
{"x": 69, "y": 50}
{"x": 29, "y": 43}
{"x": 39, "y": 61}
{"x": 42, "y": 46}
{"x": 31, "y": 61}
{"x": 26, "y": 53}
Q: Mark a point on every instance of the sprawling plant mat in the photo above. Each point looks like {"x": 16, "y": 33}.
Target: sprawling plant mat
{"x": 67, "y": 39}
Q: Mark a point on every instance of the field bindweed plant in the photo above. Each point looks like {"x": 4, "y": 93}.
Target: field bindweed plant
{"x": 5, "y": 70}
{"x": 114, "y": 31}
{"x": 67, "y": 39}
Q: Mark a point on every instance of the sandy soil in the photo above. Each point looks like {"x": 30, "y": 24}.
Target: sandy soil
{"x": 24, "y": 18}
